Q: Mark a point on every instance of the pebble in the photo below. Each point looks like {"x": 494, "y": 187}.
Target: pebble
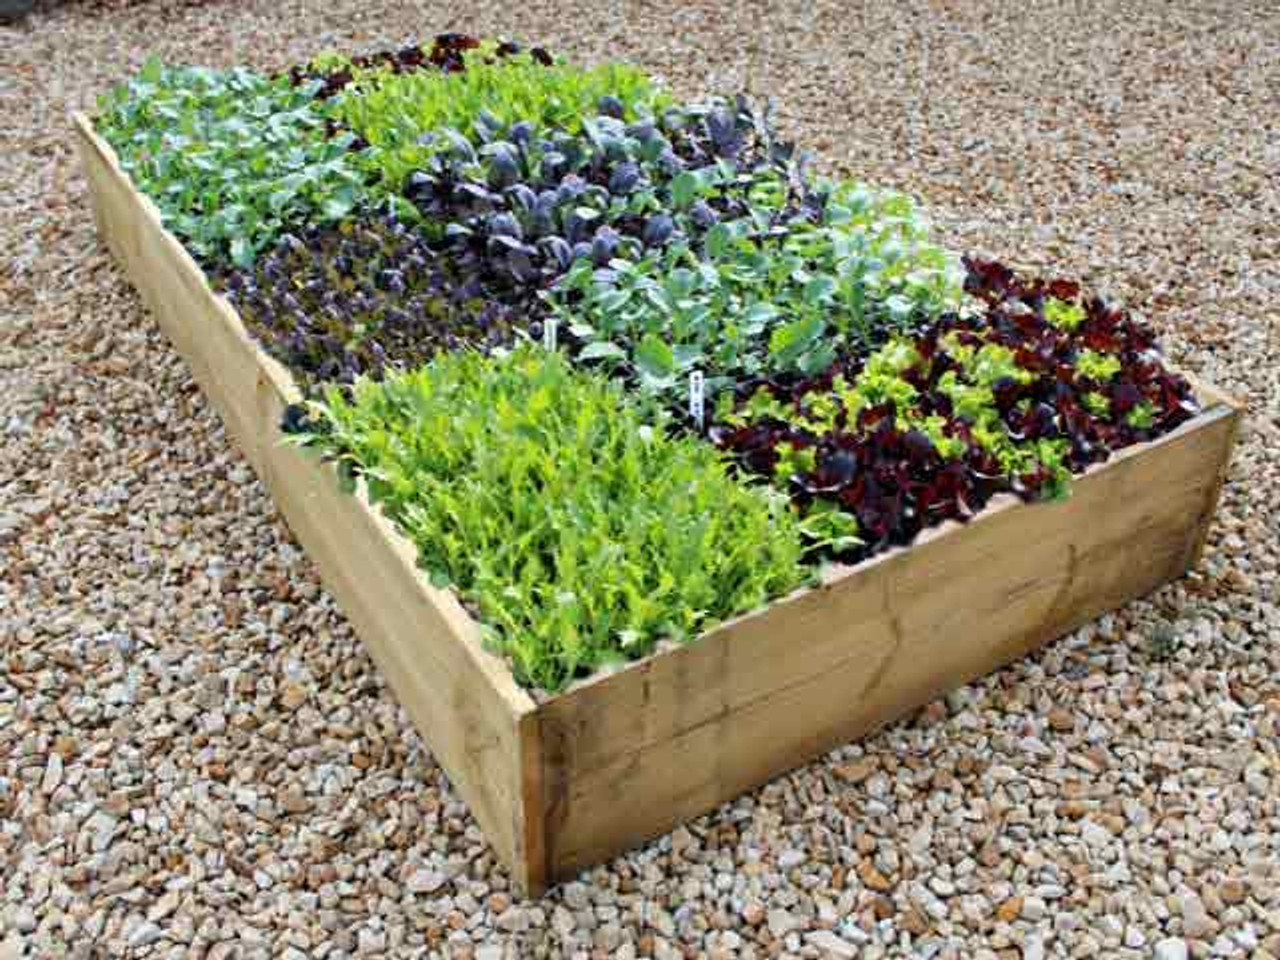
{"x": 145, "y": 934}
{"x": 1094, "y": 834}
{"x": 781, "y": 923}
{"x": 831, "y": 945}
{"x": 1062, "y": 720}
{"x": 425, "y": 881}
{"x": 52, "y": 778}
{"x": 576, "y": 896}
{"x": 102, "y": 828}
{"x": 1171, "y": 948}
{"x": 513, "y": 920}
{"x": 1196, "y": 922}
{"x": 23, "y": 919}
{"x": 858, "y": 771}
{"x": 163, "y": 907}
{"x": 1033, "y": 909}
{"x": 873, "y": 878}
{"x": 1010, "y": 910}
{"x": 371, "y": 941}
{"x": 790, "y": 859}
{"x": 1232, "y": 891}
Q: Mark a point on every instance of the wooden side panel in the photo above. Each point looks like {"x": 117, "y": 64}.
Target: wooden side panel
{"x": 1210, "y": 396}
{"x": 629, "y": 755}
{"x": 462, "y": 699}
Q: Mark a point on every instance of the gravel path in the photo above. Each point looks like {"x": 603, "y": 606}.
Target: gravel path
{"x": 198, "y": 759}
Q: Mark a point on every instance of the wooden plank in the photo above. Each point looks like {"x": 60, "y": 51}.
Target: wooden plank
{"x": 631, "y": 754}
{"x": 1210, "y": 396}
{"x": 461, "y": 698}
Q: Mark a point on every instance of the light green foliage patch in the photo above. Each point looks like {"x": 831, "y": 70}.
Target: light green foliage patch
{"x": 1098, "y": 404}
{"x": 1097, "y": 366}
{"x": 1063, "y": 314}
{"x": 881, "y": 383}
{"x": 971, "y": 390}
{"x": 582, "y": 533}
{"x": 1142, "y": 417}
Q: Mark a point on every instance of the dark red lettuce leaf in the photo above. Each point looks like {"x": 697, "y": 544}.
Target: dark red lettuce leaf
{"x": 896, "y": 483}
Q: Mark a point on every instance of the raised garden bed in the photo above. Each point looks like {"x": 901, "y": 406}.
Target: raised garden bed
{"x": 562, "y": 780}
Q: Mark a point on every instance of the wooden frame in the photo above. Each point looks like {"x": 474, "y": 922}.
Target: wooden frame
{"x": 572, "y": 780}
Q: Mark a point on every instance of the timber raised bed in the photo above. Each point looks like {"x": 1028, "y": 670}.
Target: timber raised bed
{"x": 565, "y": 782}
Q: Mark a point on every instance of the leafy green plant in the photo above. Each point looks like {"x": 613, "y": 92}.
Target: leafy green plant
{"x": 756, "y": 297}
{"x": 930, "y": 425}
{"x": 582, "y": 532}
{"x": 403, "y": 117}
{"x": 335, "y": 70}
{"x": 1063, "y": 314}
{"x": 231, "y": 158}
{"x": 1097, "y": 366}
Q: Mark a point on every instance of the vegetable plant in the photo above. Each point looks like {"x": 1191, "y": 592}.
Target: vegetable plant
{"x": 338, "y": 302}
{"x": 579, "y": 530}
{"x": 931, "y": 425}
{"x": 400, "y": 116}
{"x": 753, "y": 299}
{"x": 231, "y": 158}
{"x": 521, "y": 208}
{"x": 336, "y": 71}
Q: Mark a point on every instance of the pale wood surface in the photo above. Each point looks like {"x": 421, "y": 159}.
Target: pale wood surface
{"x": 622, "y": 757}
{"x": 631, "y": 754}
{"x": 461, "y": 698}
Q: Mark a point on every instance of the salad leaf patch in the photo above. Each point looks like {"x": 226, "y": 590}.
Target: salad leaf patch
{"x": 581, "y": 533}
{"x": 931, "y": 425}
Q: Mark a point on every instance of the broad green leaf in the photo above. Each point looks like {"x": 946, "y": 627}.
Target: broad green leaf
{"x": 819, "y": 289}
{"x": 601, "y": 349}
{"x": 684, "y": 190}
{"x": 788, "y": 342}
{"x": 654, "y": 359}
{"x": 759, "y": 316}
{"x": 241, "y": 252}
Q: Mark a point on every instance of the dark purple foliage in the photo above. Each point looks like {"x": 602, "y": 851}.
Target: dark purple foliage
{"x": 340, "y": 302}
{"x": 599, "y": 194}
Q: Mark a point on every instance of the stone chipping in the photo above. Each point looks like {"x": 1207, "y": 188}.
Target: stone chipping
{"x": 197, "y": 758}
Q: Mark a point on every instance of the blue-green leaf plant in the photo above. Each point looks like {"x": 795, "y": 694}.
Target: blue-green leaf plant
{"x": 231, "y": 158}
{"x": 754, "y": 297}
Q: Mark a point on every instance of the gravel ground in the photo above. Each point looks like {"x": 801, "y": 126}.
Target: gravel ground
{"x": 198, "y": 759}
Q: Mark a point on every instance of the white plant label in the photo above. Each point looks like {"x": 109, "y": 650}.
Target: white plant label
{"x": 697, "y": 398}
{"x": 549, "y": 334}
